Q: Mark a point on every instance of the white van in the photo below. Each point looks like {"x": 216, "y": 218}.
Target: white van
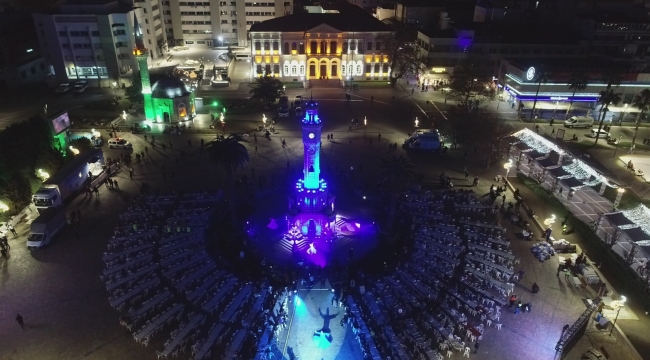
{"x": 242, "y": 56}
{"x": 119, "y": 143}
{"x": 579, "y": 121}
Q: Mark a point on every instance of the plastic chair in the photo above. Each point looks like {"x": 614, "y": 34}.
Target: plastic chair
{"x": 466, "y": 352}
{"x": 498, "y": 326}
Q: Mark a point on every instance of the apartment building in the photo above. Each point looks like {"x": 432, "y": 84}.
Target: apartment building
{"x": 21, "y": 61}
{"x": 217, "y": 23}
{"x": 343, "y": 44}
{"x": 92, "y": 41}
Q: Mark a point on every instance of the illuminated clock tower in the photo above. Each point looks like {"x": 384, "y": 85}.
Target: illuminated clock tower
{"x": 142, "y": 55}
{"x": 312, "y": 207}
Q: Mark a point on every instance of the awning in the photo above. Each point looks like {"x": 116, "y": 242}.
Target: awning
{"x": 522, "y": 147}
{"x": 571, "y": 183}
{"x": 548, "y": 163}
{"x": 536, "y": 154}
{"x": 558, "y": 172}
{"x": 618, "y": 219}
{"x": 636, "y": 234}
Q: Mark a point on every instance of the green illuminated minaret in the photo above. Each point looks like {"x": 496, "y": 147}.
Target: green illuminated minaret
{"x": 141, "y": 54}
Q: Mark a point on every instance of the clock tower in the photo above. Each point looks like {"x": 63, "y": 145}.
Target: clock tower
{"x": 311, "y": 207}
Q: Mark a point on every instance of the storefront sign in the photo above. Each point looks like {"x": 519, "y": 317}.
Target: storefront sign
{"x": 438, "y": 70}
{"x": 559, "y": 98}
{"x": 530, "y": 74}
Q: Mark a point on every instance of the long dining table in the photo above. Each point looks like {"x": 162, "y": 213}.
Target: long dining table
{"x": 133, "y": 292}
{"x": 236, "y": 344}
{"x": 128, "y": 264}
{"x": 151, "y": 303}
{"x": 137, "y": 235}
{"x": 183, "y": 333}
{"x": 234, "y": 305}
{"x": 488, "y": 263}
{"x": 112, "y": 285}
{"x": 158, "y": 322}
{"x": 257, "y": 306}
{"x": 503, "y": 254}
{"x": 110, "y": 256}
{"x": 207, "y": 345}
{"x": 485, "y": 237}
{"x": 217, "y": 297}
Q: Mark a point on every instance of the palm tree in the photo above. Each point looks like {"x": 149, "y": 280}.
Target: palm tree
{"x": 641, "y": 101}
{"x": 542, "y": 77}
{"x": 229, "y": 154}
{"x": 397, "y": 173}
{"x": 578, "y": 81}
{"x": 607, "y": 97}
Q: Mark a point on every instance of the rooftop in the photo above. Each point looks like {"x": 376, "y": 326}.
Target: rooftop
{"x": 592, "y": 63}
{"x": 349, "y": 18}
{"x": 533, "y": 33}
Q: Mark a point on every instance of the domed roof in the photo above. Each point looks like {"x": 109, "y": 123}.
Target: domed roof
{"x": 169, "y": 87}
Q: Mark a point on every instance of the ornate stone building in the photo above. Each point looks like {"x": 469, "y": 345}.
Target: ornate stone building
{"x": 342, "y": 44}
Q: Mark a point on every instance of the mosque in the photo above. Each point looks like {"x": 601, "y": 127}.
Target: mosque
{"x": 169, "y": 100}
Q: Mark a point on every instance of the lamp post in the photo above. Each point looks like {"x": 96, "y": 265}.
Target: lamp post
{"x": 365, "y": 122}
{"x": 619, "y": 195}
{"x": 220, "y": 38}
{"x": 264, "y": 120}
{"x": 115, "y": 88}
{"x": 616, "y": 145}
{"x": 620, "y": 304}
{"x": 417, "y": 122}
{"x": 507, "y": 166}
{"x": 223, "y": 123}
{"x": 620, "y": 123}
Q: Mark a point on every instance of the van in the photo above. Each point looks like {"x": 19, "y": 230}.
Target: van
{"x": 242, "y": 56}
{"x": 579, "y": 121}
{"x": 119, "y": 143}
{"x": 45, "y": 227}
{"x": 283, "y": 106}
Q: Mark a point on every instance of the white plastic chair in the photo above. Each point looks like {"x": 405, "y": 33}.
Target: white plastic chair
{"x": 498, "y": 326}
{"x": 466, "y": 352}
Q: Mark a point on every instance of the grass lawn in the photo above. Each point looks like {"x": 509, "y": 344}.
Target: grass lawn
{"x": 371, "y": 84}
{"x": 628, "y": 201}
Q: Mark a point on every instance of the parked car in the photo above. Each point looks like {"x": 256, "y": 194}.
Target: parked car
{"x": 63, "y": 88}
{"x": 80, "y": 86}
{"x": 118, "y": 143}
{"x": 602, "y": 133}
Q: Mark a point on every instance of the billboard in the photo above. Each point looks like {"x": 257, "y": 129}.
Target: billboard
{"x": 60, "y": 122}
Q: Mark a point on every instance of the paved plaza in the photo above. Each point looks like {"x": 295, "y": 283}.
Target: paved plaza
{"x": 59, "y": 293}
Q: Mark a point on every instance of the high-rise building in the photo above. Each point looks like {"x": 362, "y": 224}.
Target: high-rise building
{"x": 92, "y": 40}
{"x": 216, "y": 23}
{"x": 20, "y": 55}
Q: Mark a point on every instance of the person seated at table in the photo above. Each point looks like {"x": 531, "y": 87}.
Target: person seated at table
{"x": 535, "y": 288}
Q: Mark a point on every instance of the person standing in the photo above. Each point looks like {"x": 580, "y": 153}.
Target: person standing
{"x": 19, "y": 320}
{"x": 535, "y": 288}
{"x": 466, "y": 174}
{"x": 521, "y": 274}
{"x": 115, "y": 184}
{"x": 476, "y": 347}
{"x": 131, "y": 173}
{"x": 12, "y": 229}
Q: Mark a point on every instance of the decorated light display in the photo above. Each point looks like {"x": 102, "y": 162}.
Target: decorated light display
{"x": 142, "y": 54}
{"x": 582, "y": 171}
{"x": 537, "y": 142}
{"x": 640, "y": 216}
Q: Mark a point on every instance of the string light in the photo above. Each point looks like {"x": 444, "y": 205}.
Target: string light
{"x": 586, "y": 173}
{"x": 640, "y": 216}
{"x": 537, "y": 142}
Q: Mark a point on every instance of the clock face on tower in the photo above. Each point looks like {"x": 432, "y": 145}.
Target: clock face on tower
{"x": 311, "y": 135}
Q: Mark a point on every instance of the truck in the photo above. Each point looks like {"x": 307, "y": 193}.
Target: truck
{"x": 45, "y": 227}
{"x": 424, "y": 139}
{"x": 283, "y": 106}
{"x": 69, "y": 180}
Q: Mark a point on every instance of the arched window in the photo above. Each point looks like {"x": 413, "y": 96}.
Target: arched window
{"x": 359, "y": 69}
{"x": 286, "y": 48}
{"x": 302, "y": 69}
{"x": 286, "y": 69}
{"x": 343, "y": 72}
{"x": 294, "y": 70}
{"x": 350, "y": 69}
{"x": 293, "y": 46}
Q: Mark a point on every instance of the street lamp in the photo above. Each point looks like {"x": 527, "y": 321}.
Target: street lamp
{"x": 616, "y": 145}
{"x": 417, "y": 122}
{"x": 620, "y": 123}
{"x": 264, "y": 120}
{"x": 124, "y": 115}
{"x": 220, "y": 38}
{"x": 222, "y": 118}
{"x": 365, "y": 122}
{"x": 619, "y": 304}
{"x": 507, "y": 166}
{"x": 3, "y": 207}
{"x": 115, "y": 88}
{"x": 619, "y": 195}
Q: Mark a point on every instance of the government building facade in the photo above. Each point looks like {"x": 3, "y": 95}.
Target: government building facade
{"x": 342, "y": 44}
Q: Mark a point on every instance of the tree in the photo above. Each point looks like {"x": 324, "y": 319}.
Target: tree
{"x": 397, "y": 173}
{"x": 267, "y": 89}
{"x": 607, "y": 97}
{"x": 542, "y": 76}
{"x": 15, "y": 189}
{"x": 484, "y": 133}
{"x": 472, "y": 78}
{"x": 641, "y": 101}
{"x": 229, "y": 154}
{"x": 578, "y": 81}
{"x": 134, "y": 92}
{"x": 404, "y": 56}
